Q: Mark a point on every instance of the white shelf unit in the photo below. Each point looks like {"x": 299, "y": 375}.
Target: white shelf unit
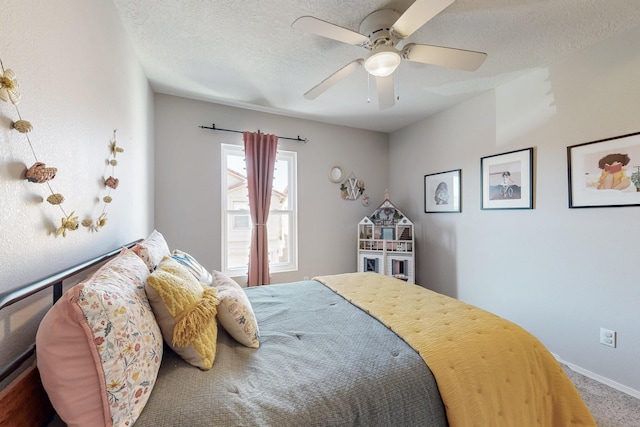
{"x": 386, "y": 243}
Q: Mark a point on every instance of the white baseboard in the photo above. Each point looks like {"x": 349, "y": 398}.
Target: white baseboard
{"x": 606, "y": 381}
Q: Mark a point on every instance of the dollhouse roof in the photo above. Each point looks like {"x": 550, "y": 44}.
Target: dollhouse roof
{"x": 387, "y": 214}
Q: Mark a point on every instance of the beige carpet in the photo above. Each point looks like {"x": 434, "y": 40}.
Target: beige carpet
{"x": 610, "y": 407}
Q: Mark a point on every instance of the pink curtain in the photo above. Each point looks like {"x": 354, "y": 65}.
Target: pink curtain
{"x": 260, "y": 154}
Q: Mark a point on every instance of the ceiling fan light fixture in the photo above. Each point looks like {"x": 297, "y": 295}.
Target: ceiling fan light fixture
{"x": 382, "y": 61}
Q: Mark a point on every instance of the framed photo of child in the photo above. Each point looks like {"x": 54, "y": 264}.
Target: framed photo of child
{"x": 442, "y": 192}
{"x": 506, "y": 180}
{"x": 605, "y": 173}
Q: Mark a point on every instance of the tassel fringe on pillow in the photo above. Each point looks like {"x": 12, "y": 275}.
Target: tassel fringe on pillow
{"x": 192, "y": 319}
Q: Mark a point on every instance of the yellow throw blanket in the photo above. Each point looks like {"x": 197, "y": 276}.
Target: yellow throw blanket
{"x": 490, "y": 372}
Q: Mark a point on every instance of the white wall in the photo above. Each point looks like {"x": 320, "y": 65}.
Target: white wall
{"x": 79, "y": 79}
{"x": 560, "y": 273}
{"x": 188, "y": 181}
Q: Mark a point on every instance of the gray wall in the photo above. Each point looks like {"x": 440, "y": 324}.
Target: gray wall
{"x": 187, "y": 207}
{"x": 79, "y": 79}
{"x": 560, "y": 273}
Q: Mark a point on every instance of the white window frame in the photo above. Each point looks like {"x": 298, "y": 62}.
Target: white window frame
{"x": 292, "y": 158}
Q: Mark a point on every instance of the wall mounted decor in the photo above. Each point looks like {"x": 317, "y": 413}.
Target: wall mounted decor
{"x": 605, "y": 173}
{"x": 336, "y": 175}
{"x": 351, "y": 188}
{"x": 442, "y": 192}
{"x": 40, "y": 173}
{"x": 506, "y": 180}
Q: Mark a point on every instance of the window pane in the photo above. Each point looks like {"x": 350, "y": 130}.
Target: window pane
{"x": 279, "y": 237}
{"x": 280, "y": 186}
{"x": 281, "y": 225}
{"x": 241, "y": 221}
{"x": 237, "y": 242}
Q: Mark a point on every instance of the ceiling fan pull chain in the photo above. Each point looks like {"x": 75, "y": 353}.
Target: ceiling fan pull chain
{"x": 368, "y": 88}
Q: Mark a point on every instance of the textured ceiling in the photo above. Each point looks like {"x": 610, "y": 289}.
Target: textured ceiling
{"x": 244, "y": 53}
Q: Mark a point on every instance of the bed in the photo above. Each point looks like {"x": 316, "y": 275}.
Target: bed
{"x": 339, "y": 350}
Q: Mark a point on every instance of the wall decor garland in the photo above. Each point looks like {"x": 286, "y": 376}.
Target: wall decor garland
{"x": 40, "y": 173}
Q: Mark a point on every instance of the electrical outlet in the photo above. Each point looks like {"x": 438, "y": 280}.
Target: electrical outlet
{"x": 608, "y": 337}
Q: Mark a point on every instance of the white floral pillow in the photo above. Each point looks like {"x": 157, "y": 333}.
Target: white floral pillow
{"x": 235, "y": 313}
{"x": 99, "y": 347}
{"x": 152, "y": 249}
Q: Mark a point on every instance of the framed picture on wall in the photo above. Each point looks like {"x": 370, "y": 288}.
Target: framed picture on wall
{"x": 605, "y": 173}
{"x": 506, "y": 180}
{"x": 442, "y": 192}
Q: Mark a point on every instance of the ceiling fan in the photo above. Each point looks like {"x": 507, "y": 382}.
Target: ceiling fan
{"x": 381, "y": 32}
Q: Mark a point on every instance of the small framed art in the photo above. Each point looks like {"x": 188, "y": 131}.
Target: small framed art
{"x": 605, "y": 173}
{"x": 442, "y": 192}
{"x": 506, "y": 180}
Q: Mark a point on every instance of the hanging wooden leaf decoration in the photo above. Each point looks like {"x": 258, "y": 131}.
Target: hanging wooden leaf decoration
{"x": 9, "y": 87}
{"x": 55, "y": 199}
{"x": 23, "y": 126}
{"x": 40, "y": 173}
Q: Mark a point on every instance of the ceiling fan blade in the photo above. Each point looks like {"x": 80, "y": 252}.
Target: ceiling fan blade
{"x": 468, "y": 60}
{"x": 322, "y": 28}
{"x": 417, "y": 15}
{"x": 333, "y": 79}
{"x": 386, "y": 92}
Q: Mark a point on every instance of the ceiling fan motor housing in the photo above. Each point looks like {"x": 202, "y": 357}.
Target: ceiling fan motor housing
{"x": 377, "y": 26}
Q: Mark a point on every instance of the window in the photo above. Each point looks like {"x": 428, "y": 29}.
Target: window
{"x": 241, "y": 221}
{"x": 236, "y": 221}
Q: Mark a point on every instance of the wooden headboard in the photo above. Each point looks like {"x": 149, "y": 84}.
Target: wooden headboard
{"x": 24, "y": 401}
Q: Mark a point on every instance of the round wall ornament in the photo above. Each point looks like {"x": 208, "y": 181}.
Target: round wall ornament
{"x": 336, "y": 174}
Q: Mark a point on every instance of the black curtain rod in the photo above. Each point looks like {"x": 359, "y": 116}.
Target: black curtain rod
{"x": 213, "y": 127}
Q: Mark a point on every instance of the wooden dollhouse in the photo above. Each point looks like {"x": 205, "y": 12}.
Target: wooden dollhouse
{"x": 386, "y": 243}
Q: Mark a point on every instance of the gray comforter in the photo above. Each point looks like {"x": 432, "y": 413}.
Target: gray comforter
{"x": 321, "y": 362}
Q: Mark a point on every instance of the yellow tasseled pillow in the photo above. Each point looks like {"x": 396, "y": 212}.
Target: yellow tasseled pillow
{"x": 185, "y": 309}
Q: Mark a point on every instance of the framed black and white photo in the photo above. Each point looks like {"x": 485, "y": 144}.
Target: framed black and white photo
{"x": 506, "y": 180}
{"x": 442, "y": 192}
{"x": 605, "y": 173}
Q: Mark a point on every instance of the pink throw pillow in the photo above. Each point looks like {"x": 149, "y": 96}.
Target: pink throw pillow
{"x": 99, "y": 347}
